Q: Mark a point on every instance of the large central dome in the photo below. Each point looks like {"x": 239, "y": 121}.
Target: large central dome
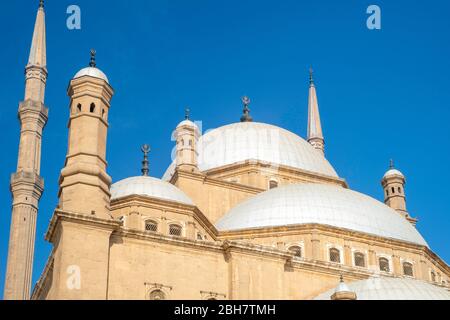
{"x": 239, "y": 142}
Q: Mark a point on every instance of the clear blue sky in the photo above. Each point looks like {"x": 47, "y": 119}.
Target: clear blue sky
{"x": 383, "y": 94}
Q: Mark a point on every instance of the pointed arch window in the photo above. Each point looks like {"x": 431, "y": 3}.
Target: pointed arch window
{"x": 79, "y": 107}
{"x": 92, "y": 108}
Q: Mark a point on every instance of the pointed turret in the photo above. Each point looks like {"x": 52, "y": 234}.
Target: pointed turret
{"x": 393, "y": 183}
{"x": 26, "y": 184}
{"x": 315, "y": 135}
{"x": 38, "y": 54}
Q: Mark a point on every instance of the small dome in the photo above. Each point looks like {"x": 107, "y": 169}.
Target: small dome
{"x": 342, "y": 287}
{"x": 91, "y": 72}
{"x": 392, "y": 173}
{"x": 187, "y": 122}
{"x": 384, "y": 288}
{"x": 324, "y": 204}
{"x": 148, "y": 186}
{"x": 243, "y": 141}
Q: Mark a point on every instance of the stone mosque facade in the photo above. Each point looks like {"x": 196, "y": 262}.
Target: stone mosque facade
{"x": 245, "y": 211}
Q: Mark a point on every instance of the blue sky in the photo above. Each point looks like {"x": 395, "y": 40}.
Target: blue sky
{"x": 383, "y": 94}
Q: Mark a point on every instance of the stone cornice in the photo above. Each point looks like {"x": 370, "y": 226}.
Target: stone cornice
{"x": 59, "y": 216}
{"x": 213, "y": 181}
{"x": 162, "y": 204}
{"x": 256, "y": 165}
{"x": 320, "y": 228}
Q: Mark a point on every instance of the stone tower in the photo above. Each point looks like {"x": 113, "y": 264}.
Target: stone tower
{"x": 393, "y": 183}
{"x": 315, "y": 135}
{"x": 26, "y": 184}
{"x": 187, "y": 135}
{"x": 84, "y": 183}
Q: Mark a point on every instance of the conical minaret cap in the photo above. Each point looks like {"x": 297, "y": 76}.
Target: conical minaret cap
{"x": 38, "y": 52}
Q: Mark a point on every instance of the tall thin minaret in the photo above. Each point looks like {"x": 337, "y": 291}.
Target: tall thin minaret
{"x": 26, "y": 184}
{"x": 315, "y": 135}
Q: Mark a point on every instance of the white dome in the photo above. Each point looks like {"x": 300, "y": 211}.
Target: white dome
{"x": 148, "y": 186}
{"x": 186, "y": 122}
{"x": 322, "y": 204}
{"x": 92, "y": 72}
{"x": 393, "y": 172}
{"x": 384, "y": 288}
{"x": 243, "y": 141}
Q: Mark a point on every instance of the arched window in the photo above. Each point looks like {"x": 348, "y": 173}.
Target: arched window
{"x": 399, "y": 190}
{"x": 393, "y": 190}
{"x": 384, "y": 264}
{"x": 92, "y": 108}
{"x": 273, "y": 184}
{"x": 360, "y": 260}
{"x": 157, "y": 295}
{"x": 296, "y": 250}
{"x": 103, "y": 113}
{"x": 335, "y": 255}
{"x": 387, "y": 192}
{"x": 199, "y": 236}
{"x": 175, "y": 230}
{"x": 151, "y": 225}
{"x": 79, "y": 107}
{"x": 407, "y": 269}
{"x": 190, "y": 143}
{"x": 433, "y": 276}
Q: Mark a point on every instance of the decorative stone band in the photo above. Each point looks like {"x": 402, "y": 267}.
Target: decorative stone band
{"x": 31, "y": 178}
{"x": 33, "y": 109}
{"x": 36, "y": 72}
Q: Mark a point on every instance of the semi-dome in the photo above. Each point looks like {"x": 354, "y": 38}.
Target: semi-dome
{"x": 150, "y": 187}
{"x": 386, "y": 288}
{"x": 331, "y": 205}
{"x": 239, "y": 142}
{"x": 91, "y": 72}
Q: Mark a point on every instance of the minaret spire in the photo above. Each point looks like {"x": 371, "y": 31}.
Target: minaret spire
{"x": 26, "y": 184}
{"x": 315, "y": 135}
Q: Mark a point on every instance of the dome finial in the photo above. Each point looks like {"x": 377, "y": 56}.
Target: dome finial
{"x": 246, "y": 116}
{"x": 311, "y": 78}
{"x": 41, "y": 3}
{"x": 391, "y": 164}
{"x": 145, "y": 169}
{"x": 93, "y": 63}
{"x": 187, "y": 113}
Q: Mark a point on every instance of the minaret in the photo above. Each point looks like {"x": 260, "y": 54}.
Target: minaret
{"x": 187, "y": 135}
{"x": 315, "y": 135}
{"x": 26, "y": 184}
{"x": 84, "y": 182}
{"x": 393, "y": 183}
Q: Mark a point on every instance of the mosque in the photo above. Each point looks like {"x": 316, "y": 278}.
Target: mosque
{"x": 245, "y": 211}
